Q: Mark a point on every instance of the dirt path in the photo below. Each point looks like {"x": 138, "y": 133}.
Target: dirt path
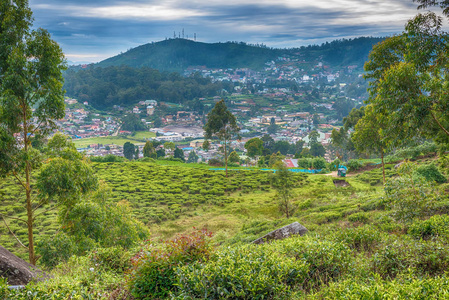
{"x": 335, "y": 174}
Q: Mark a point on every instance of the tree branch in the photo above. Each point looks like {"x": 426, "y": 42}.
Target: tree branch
{"x": 13, "y": 234}
{"x": 15, "y": 218}
{"x": 439, "y": 124}
{"x": 47, "y": 210}
{"x": 19, "y": 180}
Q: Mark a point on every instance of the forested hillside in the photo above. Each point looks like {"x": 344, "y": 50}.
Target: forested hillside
{"x": 123, "y": 85}
{"x": 178, "y": 54}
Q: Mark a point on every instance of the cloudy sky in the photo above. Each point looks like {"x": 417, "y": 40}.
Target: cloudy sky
{"x": 92, "y": 30}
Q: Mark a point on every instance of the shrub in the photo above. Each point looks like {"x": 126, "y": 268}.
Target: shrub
{"x": 108, "y": 158}
{"x": 319, "y": 163}
{"x": 361, "y": 217}
{"x": 431, "y": 173}
{"x": 55, "y": 249}
{"x": 433, "y": 227}
{"x": 410, "y": 196}
{"x": 114, "y": 259}
{"x": 242, "y": 272}
{"x": 364, "y": 238}
{"x": 154, "y": 269}
{"x": 424, "y": 258}
{"x": 354, "y": 165}
{"x": 376, "y": 288}
{"x": 327, "y": 260}
{"x": 215, "y": 162}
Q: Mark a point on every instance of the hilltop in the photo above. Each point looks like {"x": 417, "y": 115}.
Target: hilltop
{"x": 179, "y": 54}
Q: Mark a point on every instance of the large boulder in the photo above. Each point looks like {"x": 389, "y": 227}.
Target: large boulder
{"x": 16, "y": 270}
{"x": 282, "y": 233}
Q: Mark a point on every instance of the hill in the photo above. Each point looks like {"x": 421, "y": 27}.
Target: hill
{"x": 179, "y": 54}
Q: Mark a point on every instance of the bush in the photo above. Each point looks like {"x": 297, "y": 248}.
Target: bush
{"x": 114, "y": 259}
{"x": 376, "y": 288}
{"x": 215, "y": 162}
{"x": 55, "y": 249}
{"x": 431, "y": 173}
{"x": 410, "y": 196}
{"x": 108, "y": 158}
{"x": 327, "y": 260}
{"x": 364, "y": 238}
{"x": 433, "y": 227}
{"x": 319, "y": 163}
{"x": 354, "y": 165}
{"x": 154, "y": 269}
{"x": 361, "y": 217}
{"x": 425, "y": 258}
{"x": 243, "y": 272}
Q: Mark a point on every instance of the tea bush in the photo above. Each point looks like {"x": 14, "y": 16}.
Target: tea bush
{"x": 431, "y": 173}
{"x": 354, "y": 165}
{"x": 242, "y": 272}
{"x": 376, "y": 288}
{"x": 326, "y": 260}
{"x": 153, "y": 274}
{"x": 435, "y": 226}
{"x": 365, "y": 238}
{"x": 361, "y": 217}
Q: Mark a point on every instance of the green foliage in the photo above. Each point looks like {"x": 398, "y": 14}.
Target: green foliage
{"x": 131, "y": 122}
{"x": 193, "y": 158}
{"x": 423, "y": 257}
{"x": 410, "y": 196}
{"x": 112, "y": 259}
{"x": 55, "y": 249}
{"x": 129, "y": 150}
{"x": 242, "y": 272}
{"x": 435, "y": 226}
{"x": 431, "y": 173}
{"x": 154, "y": 269}
{"x": 327, "y": 261}
{"x": 254, "y": 147}
{"x": 364, "y": 238}
{"x": 179, "y": 153}
{"x": 107, "y": 158}
{"x": 361, "y": 217}
{"x": 221, "y": 123}
{"x": 354, "y": 165}
{"x": 105, "y": 87}
{"x": 282, "y": 181}
{"x": 234, "y": 157}
{"x": 148, "y": 149}
{"x": 377, "y": 288}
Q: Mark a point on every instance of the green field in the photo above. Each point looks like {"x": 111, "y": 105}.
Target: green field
{"x": 137, "y": 139}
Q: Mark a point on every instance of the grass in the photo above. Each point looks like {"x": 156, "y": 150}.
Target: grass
{"x": 138, "y": 139}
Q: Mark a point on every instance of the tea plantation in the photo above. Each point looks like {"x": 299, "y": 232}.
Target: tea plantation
{"x": 365, "y": 240}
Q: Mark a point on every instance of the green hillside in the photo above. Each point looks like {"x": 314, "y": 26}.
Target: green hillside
{"x": 179, "y": 54}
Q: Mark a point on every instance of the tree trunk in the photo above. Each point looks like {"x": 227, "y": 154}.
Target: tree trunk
{"x": 383, "y": 164}
{"x": 29, "y": 207}
{"x": 226, "y": 157}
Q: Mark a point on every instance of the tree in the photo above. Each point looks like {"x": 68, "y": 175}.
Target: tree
{"x": 193, "y": 158}
{"x": 221, "y": 123}
{"x": 369, "y": 135}
{"x": 148, "y": 149}
{"x": 132, "y": 123}
{"x": 282, "y": 181}
{"x": 254, "y": 147}
{"x": 31, "y": 98}
{"x": 234, "y": 157}
{"x": 206, "y": 145}
{"x": 179, "y": 153}
{"x": 129, "y": 150}
{"x": 409, "y": 76}
{"x": 272, "y": 128}
{"x": 169, "y": 146}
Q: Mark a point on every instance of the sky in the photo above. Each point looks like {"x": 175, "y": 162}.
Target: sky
{"x": 93, "y": 30}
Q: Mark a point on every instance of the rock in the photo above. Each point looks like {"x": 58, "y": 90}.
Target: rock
{"x": 282, "y": 233}
{"x": 16, "y": 270}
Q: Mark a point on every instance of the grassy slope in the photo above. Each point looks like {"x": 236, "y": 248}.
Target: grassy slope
{"x": 176, "y": 197}
{"x": 138, "y": 139}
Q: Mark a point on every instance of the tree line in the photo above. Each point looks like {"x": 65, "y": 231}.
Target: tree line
{"x": 124, "y": 85}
